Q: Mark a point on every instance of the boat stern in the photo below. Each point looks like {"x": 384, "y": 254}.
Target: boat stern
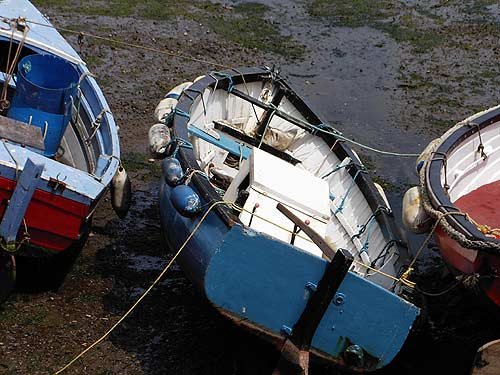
{"x": 264, "y": 285}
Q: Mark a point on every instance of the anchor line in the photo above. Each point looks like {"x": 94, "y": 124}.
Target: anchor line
{"x": 401, "y": 279}
{"x": 143, "y": 295}
{"x": 323, "y": 128}
{"x": 127, "y": 44}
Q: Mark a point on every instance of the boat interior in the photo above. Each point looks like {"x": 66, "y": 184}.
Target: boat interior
{"x": 256, "y": 158}
{"x": 82, "y": 146}
{"x": 473, "y": 162}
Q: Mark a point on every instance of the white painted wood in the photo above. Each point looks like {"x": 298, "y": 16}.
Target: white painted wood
{"x": 301, "y": 188}
{"x": 467, "y": 170}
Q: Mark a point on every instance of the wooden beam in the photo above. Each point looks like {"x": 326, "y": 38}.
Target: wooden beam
{"x": 19, "y": 132}
{"x": 267, "y": 107}
{"x": 294, "y": 359}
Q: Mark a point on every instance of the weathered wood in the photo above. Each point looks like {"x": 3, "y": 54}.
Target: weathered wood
{"x": 20, "y": 200}
{"x": 268, "y": 113}
{"x": 19, "y": 132}
{"x": 311, "y": 233}
{"x": 487, "y": 361}
{"x": 305, "y": 328}
{"x": 254, "y": 142}
{"x": 267, "y": 107}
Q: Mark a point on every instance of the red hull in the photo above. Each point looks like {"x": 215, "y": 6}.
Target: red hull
{"x": 54, "y": 222}
{"x": 470, "y": 261}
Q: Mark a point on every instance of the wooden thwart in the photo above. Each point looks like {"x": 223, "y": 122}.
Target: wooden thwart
{"x": 19, "y": 132}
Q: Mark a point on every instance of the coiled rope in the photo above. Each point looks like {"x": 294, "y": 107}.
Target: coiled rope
{"x": 479, "y": 245}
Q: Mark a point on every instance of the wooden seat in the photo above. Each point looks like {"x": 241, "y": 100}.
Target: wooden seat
{"x": 20, "y": 132}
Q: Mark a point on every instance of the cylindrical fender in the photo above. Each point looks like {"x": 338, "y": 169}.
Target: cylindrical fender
{"x": 415, "y": 218}
{"x": 185, "y": 200}
{"x": 172, "y": 171}
{"x": 121, "y": 192}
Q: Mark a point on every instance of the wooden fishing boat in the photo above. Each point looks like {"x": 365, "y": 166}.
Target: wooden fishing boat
{"x": 460, "y": 174}
{"x": 270, "y": 202}
{"x": 59, "y": 148}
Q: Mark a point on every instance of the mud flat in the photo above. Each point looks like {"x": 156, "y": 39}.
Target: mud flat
{"x": 393, "y": 76}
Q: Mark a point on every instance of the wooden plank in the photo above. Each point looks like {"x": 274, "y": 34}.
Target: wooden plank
{"x": 254, "y": 142}
{"x": 19, "y": 132}
{"x": 315, "y": 237}
{"x": 20, "y": 200}
{"x": 487, "y": 361}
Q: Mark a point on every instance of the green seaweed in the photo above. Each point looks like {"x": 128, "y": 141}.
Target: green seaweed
{"x": 245, "y": 24}
{"x": 352, "y": 13}
{"x": 135, "y": 162}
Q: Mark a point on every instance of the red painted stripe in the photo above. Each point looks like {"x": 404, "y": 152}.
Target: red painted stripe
{"x": 54, "y": 222}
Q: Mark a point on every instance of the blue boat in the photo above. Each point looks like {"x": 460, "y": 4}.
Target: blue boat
{"x": 267, "y": 197}
{"x": 59, "y": 151}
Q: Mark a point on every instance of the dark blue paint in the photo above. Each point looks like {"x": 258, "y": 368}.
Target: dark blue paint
{"x": 172, "y": 95}
{"x": 264, "y": 281}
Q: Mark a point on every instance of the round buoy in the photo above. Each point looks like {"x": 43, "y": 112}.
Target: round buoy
{"x": 7, "y": 275}
{"x": 172, "y": 171}
{"x": 185, "y": 200}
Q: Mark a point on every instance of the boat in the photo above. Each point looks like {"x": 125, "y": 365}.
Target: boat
{"x": 277, "y": 222}
{"x": 59, "y": 151}
{"x": 460, "y": 187}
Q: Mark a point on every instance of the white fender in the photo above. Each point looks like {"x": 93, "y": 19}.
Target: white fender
{"x": 121, "y": 192}
{"x": 159, "y": 139}
{"x": 169, "y": 102}
{"x": 415, "y": 218}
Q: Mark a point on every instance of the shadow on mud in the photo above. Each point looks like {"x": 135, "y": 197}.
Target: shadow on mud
{"x": 174, "y": 330}
{"x": 43, "y": 273}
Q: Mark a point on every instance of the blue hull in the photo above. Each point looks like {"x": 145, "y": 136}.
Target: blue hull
{"x": 263, "y": 284}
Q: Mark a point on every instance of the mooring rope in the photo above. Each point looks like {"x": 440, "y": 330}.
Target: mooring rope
{"x": 11, "y": 66}
{"x": 325, "y": 128}
{"x": 126, "y": 44}
{"x": 403, "y": 279}
{"x": 143, "y": 295}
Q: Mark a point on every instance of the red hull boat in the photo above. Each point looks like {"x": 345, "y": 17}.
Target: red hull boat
{"x": 59, "y": 150}
{"x": 460, "y": 187}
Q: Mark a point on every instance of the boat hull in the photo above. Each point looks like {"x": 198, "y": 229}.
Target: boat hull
{"x": 53, "y": 222}
{"x": 458, "y": 178}
{"x": 263, "y": 284}
{"x": 467, "y": 261}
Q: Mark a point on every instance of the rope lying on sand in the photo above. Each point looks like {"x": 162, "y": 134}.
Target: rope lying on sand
{"x": 403, "y": 279}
